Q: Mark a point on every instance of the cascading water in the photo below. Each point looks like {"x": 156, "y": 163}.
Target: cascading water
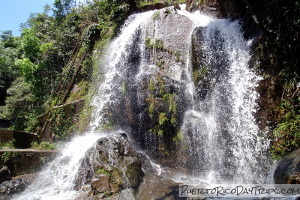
{"x": 123, "y": 59}
{"x": 219, "y": 125}
{"x": 57, "y": 180}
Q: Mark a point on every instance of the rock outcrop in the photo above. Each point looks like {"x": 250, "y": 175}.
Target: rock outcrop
{"x": 160, "y": 87}
{"x": 287, "y": 170}
{"x": 113, "y": 166}
{"x": 15, "y": 186}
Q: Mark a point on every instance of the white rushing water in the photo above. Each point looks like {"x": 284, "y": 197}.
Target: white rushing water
{"x": 116, "y": 69}
{"x": 220, "y": 126}
{"x": 57, "y": 180}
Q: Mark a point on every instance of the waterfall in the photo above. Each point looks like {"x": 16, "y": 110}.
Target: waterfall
{"x": 122, "y": 61}
{"x": 218, "y": 123}
{"x": 219, "y": 126}
{"x": 56, "y": 181}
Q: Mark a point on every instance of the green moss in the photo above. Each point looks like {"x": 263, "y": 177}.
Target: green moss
{"x": 61, "y": 124}
{"x": 171, "y": 100}
{"x": 162, "y": 118}
{"x": 160, "y": 132}
{"x": 173, "y": 120}
{"x": 155, "y": 15}
{"x": 151, "y": 107}
{"x": 103, "y": 171}
{"x": 177, "y": 56}
{"x": 124, "y": 87}
{"x": 43, "y": 146}
{"x": 161, "y": 85}
{"x": 155, "y": 43}
{"x": 178, "y": 137}
{"x": 152, "y": 85}
{"x": 108, "y": 126}
{"x": 160, "y": 64}
{"x": 199, "y": 73}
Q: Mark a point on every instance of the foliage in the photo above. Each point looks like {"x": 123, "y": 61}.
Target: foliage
{"x": 30, "y": 44}
{"x": 166, "y": 119}
{"x": 7, "y": 145}
{"x": 199, "y": 73}
{"x": 5, "y": 156}
{"x": 19, "y": 105}
{"x": 150, "y": 2}
{"x": 287, "y": 132}
{"x": 63, "y": 8}
{"x": 8, "y": 70}
{"x": 61, "y": 124}
{"x": 156, "y": 15}
{"x": 103, "y": 171}
{"x": 282, "y": 24}
{"x": 43, "y": 146}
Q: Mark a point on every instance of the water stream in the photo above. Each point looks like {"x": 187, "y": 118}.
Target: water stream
{"x": 218, "y": 125}
{"x": 57, "y": 180}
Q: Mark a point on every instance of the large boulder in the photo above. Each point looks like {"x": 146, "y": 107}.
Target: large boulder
{"x": 287, "y": 170}
{"x": 113, "y": 166}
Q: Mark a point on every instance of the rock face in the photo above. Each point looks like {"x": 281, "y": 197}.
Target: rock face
{"x": 15, "y": 186}
{"x": 114, "y": 165}
{"x": 158, "y": 102}
{"x": 288, "y": 169}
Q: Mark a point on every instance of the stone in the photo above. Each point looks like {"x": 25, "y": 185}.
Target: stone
{"x": 287, "y": 170}
{"x": 101, "y": 184}
{"x": 134, "y": 174}
{"x": 158, "y": 187}
{"x": 15, "y": 186}
{"x": 116, "y": 166}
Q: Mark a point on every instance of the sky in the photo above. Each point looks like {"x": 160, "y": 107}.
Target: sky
{"x": 15, "y": 12}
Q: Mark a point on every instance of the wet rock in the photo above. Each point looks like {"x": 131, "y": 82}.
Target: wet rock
{"x": 287, "y": 170}
{"x": 113, "y": 166}
{"x": 155, "y": 6}
{"x": 101, "y": 184}
{"x": 15, "y": 186}
{"x": 134, "y": 174}
{"x": 159, "y": 87}
{"x": 157, "y": 187}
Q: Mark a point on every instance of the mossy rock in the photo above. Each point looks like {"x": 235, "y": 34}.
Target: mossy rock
{"x": 134, "y": 174}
